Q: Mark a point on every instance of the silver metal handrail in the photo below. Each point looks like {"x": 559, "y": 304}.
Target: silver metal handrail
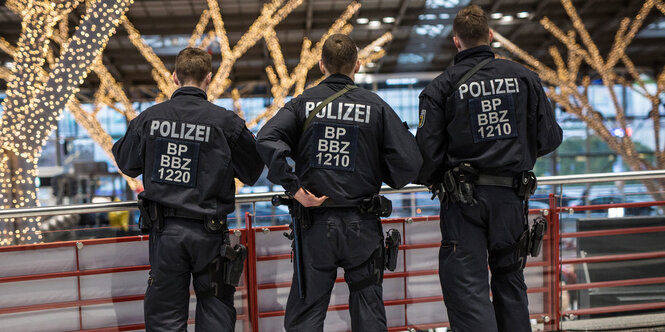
{"x": 264, "y": 197}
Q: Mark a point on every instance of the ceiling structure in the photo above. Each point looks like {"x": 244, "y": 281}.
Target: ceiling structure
{"x": 421, "y": 34}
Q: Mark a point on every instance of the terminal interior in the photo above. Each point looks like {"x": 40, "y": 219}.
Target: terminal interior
{"x": 84, "y": 268}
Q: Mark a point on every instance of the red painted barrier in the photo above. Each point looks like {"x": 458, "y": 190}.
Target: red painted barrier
{"x": 551, "y": 266}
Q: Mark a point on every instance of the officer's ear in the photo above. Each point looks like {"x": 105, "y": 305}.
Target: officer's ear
{"x": 357, "y": 69}
{"x": 322, "y": 68}
{"x": 458, "y": 44}
{"x": 175, "y": 79}
{"x": 491, "y": 36}
{"x": 208, "y": 78}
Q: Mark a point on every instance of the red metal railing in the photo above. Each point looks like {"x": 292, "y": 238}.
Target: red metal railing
{"x": 551, "y": 264}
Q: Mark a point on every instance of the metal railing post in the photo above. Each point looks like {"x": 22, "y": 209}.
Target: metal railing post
{"x": 556, "y": 263}
{"x": 252, "y": 287}
{"x": 548, "y": 308}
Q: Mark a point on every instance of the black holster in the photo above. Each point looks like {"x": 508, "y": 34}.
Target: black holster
{"x": 378, "y": 205}
{"x": 393, "y": 240}
{"x": 538, "y": 230}
{"x": 459, "y": 184}
{"x": 234, "y": 260}
{"x": 518, "y": 250}
{"x": 151, "y": 215}
{"x": 376, "y": 266}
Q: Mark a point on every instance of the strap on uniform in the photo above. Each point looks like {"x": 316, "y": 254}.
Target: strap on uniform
{"x": 376, "y": 264}
{"x": 324, "y": 103}
{"x": 470, "y": 73}
{"x": 182, "y": 213}
{"x": 496, "y": 181}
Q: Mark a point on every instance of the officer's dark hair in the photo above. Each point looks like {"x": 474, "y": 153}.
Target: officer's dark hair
{"x": 192, "y": 65}
{"x": 471, "y": 26}
{"x": 339, "y": 54}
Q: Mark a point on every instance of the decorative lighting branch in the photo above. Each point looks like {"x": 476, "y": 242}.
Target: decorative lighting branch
{"x": 35, "y": 98}
{"x": 565, "y": 76}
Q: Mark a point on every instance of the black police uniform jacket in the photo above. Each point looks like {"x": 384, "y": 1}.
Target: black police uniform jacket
{"x": 189, "y": 150}
{"x": 499, "y": 121}
{"x": 353, "y": 145}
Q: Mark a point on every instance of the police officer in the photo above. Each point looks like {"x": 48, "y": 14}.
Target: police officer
{"x": 483, "y": 123}
{"x": 353, "y": 143}
{"x": 189, "y": 151}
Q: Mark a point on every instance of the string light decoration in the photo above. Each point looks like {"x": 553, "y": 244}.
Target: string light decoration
{"x": 237, "y": 107}
{"x": 565, "y": 76}
{"x": 35, "y": 97}
{"x": 35, "y": 104}
{"x": 271, "y": 15}
{"x": 200, "y": 28}
{"x": 282, "y": 82}
{"x": 160, "y": 73}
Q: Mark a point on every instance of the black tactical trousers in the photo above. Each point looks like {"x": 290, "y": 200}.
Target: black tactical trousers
{"x": 184, "y": 248}
{"x": 468, "y": 232}
{"x": 338, "y": 237}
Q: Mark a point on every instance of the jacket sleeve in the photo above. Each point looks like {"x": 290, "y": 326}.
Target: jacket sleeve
{"x": 431, "y": 138}
{"x": 275, "y": 143}
{"x": 247, "y": 164}
{"x": 127, "y": 151}
{"x": 401, "y": 157}
{"x": 549, "y": 133}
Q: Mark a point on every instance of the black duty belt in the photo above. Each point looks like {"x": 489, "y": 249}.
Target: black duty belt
{"x": 496, "y": 181}
{"x": 181, "y": 213}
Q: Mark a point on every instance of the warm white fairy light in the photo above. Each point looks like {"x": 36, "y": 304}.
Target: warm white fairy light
{"x": 565, "y": 76}
{"x": 35, "y": 98}
{"x": 33, "y": 106}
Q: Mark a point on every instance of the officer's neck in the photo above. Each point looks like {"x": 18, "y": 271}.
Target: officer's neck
{"x": 203, "y": 86}
{"x": 352, "y": 76}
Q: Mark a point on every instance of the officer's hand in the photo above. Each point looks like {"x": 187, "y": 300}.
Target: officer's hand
{"x": 307, "y": 199}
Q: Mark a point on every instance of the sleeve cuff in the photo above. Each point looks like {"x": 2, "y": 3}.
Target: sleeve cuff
{"x": 292, "y": 187}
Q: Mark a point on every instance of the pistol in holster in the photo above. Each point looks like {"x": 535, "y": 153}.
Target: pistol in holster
{"x": 459, "y": 182}
{"x": 377, "y": 205}
{"x": 234, "y": 260}
{"x": 393, "y": 240}
{"x": 538, "y": 230}
{"x": 151, "y": 215}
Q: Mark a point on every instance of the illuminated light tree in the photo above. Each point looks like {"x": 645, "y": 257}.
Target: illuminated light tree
{"x": 59, "y": 86}
{"x": 565, "y": 81}
{"x": 35, "y": 97}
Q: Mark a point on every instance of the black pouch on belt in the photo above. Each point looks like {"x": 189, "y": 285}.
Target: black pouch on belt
{"x": 527, "y": 184}
{"x": 378, "y": 205}
{"x": 144, "y": 222}
{"x": 214, "y": 225}
{"x": 152, "y": 214}
{"x": 393, "y": 240}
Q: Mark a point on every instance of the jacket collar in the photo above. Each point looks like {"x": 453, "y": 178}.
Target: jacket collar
{"x": 478, "y": 51}
{"x": 189, "y": 91}
{"x": 337, "y": 79}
